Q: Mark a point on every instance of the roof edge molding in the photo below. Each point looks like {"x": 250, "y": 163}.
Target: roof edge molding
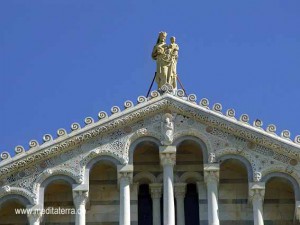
{"x": 169, "y": 100}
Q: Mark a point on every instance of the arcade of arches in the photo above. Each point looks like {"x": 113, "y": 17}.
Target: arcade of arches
{"x": 166, "y": 185}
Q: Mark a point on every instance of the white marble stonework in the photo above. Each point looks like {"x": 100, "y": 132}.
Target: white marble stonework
{"x": 175, "y": 126}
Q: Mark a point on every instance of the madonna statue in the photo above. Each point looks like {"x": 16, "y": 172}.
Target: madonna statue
{"x": 166, "y": 57}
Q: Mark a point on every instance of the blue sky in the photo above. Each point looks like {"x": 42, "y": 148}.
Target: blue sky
{"x": 61, "y": 61}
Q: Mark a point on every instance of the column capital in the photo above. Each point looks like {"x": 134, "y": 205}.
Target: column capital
{"x": 211, "y": 172}
{"x": 35, "y": 217}
{"x": 156, "y": 190}
{"x": 256, "y": 191}
{"x": 80, "y": 197}
{"x": 167, "y": 155}
{"x": 297, "y": 206}
{"x": 180, "y": 190}
{"x": 125, "y": 172}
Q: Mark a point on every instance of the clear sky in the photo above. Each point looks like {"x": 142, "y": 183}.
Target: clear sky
{"x": 64, "y": 60}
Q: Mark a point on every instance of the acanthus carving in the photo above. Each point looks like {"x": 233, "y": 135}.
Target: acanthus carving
{"x": 257, "y": 194}
{"x": 211, "y": 176}
{"x": 167, "y": 159}
{"x": 256, "y": 191}
{"x": 125, "y": 176}
{"x": 80, "y": 198}
{"x": 156, "y": 190}
{"x": 211, "y": 173}
{"x": 180, "y": 190}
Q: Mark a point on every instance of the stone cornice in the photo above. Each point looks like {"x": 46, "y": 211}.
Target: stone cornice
{"x": 75, "y": 138}
{"x": 238, "y": 128}
{"x": 147, "y": 107}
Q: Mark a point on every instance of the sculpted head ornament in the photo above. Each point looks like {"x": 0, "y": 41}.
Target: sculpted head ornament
{"x": 257, "y": 176}
{"x": 167, "y": 115}
{"x": 162, "y": 37}
{"x": 212, "y": 158}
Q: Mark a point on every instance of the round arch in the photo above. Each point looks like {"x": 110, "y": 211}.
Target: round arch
{"x": 286, "y": 177}
{"x": 195, "y": 176}
{"x": 197, "y": 140}
{"x": 102, "y": 158}
{"x": 244, "y": 161}
{"x": 63, "y": 174}
{"x": 146, "y": 176}
{"x": 19, "y": 198}
{"x": 23, "y": 193}
{"x": 52, "y": 178}
{"x": 138, "y": 141}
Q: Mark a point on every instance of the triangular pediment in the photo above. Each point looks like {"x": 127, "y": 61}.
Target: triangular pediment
{"x": 176, "y": 103}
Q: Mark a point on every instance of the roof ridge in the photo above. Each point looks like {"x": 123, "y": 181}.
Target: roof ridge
{"x": 62, "y": 134}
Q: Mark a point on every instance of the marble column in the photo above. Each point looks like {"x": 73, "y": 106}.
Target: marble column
{"x": 124, "y": 179}
{"x": 211, "y": 178}
{"x": 180, "y": 189}
{"x": 256, "y": 195}
{"x": 167, "y": 159}
{"x": 35, "y": 217}
{"x": 156, "y": 189}
{"x": 297, "y": 210}
{"x": 80, "y": 198}
{"x": 201, "y": 192}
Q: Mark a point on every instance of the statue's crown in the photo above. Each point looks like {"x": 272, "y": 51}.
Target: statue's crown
{"x": 163, "y": 33}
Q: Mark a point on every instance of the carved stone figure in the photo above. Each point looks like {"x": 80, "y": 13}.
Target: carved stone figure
{"x": 212, "y": 158}
{"x": 257, "y": 176}
{"x": 167, "y": 129}
{"x": 166, "y": 57}
{"x": 172, "y": 72}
